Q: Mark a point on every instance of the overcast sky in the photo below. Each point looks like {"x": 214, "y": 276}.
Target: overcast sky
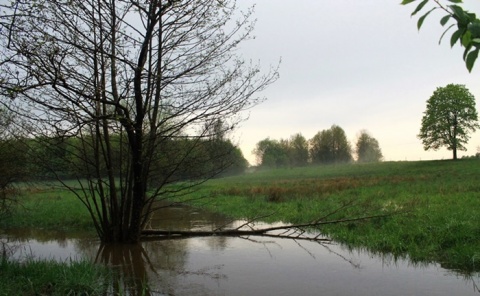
{"x": 356, "y": 64}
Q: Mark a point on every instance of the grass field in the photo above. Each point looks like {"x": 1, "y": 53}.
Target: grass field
{"x": 49, "y": 208}
{"x": 52, "y": 278}
{"x": 436, "y": 204}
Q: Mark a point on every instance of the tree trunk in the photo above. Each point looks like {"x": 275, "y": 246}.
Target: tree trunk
{"x": 455, "y": 126}
{"x": 135, "y": 226}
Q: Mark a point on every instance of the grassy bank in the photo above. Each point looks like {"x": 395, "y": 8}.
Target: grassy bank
{"x": 52, "y": 278}
{"x": 49, "y": 208}
{"x": 438, "y": 203}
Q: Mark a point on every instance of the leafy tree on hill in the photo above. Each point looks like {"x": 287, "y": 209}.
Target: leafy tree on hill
{"x": 330, "y": 146}
{"x": 367, "y": 148}
{"x": 450, "y": 116}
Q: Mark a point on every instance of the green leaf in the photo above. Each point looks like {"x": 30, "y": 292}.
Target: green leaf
{"x": 466, "y": 38}
{"x": 405, "y": 2}
{"x": 455, "y": 1}
{"x": 474, "y": 28}
{"x": 422, "y": 18}
{"x": 465, "y": 53}
{"x": 445, "y": 19}
{"x": 459, "y": 14}
{"x": 443, "y": 34}
{"x": 471, "y": 58}
{"x": 471, "y": 16}
{"x": 419, "y": 7}
{"x": 455, "y": 36}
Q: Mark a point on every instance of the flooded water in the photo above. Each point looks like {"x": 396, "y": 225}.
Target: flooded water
{"x": 242, "y": 266}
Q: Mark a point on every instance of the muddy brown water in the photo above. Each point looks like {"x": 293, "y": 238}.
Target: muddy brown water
{"x": 241, "y": 266}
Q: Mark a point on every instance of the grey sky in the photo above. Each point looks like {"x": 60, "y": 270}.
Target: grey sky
{"x": 357, "y": 64}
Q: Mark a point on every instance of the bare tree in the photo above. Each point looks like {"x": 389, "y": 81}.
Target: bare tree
{"x": 127, "y": 81}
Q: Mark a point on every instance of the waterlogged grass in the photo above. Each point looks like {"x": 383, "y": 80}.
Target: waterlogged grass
{"x": 49, "y": 208}
{"x": 436, "y": 205}
{"x": 52, "y": 278}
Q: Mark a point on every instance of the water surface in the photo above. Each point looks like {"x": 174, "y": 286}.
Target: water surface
{"x": 242, "y": 265}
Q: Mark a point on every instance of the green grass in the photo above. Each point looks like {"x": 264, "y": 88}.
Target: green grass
{"x": 438, "y": 201}
{"x": 49, "y": 208}
{"x": 54, "y": 209}
{"x": 52, "y": 278}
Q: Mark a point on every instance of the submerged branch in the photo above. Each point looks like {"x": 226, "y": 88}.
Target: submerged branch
{"x": 295, "y": 231}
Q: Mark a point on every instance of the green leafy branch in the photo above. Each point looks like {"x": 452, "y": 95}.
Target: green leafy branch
{"x": 467, "y": 25}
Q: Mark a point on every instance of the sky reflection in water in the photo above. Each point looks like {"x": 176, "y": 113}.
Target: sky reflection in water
{"x": 248, "y": 266}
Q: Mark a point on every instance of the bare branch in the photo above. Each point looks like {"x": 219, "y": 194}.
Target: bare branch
{"x": 295, "y": 231}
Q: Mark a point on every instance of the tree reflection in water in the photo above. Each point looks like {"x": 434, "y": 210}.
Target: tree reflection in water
{"x": 154, "y": 267}
{"x": 128, "y": 263}
{"x": 240, "y": 265}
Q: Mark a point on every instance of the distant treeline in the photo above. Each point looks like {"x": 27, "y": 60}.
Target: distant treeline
{"x": 175, "y": 159}
{"x": 328, "y": 146}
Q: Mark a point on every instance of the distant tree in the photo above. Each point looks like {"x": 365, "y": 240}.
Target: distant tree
{"x": 450, "y": 116}
{"x": 330, "y": 146}
{"x": 236, "y": 162}
{"x": 12, "y": 162}
{"x": 260, "y": 149}
{"x": 466, "y": 26}
{"x": 283, "y": 152}
{"x": 298, "y": 150}
{"x": 224, "y": 157}
{"x": 271, "y": 153}
{"x": 217, "y": 129}
{"x": 367, "y": 148}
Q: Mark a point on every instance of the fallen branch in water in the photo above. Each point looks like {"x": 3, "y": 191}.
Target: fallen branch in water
{"x": 295, "y": 231}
